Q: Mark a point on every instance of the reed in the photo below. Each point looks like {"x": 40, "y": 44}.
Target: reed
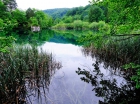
{"x": 22, "y": 70}
{"x": 117, "y": 51}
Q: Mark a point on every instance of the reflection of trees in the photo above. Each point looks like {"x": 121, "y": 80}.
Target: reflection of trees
{"x": 33, "y": 37}
{"x": 110, "y": 89}
{"x": 46, "y": 35}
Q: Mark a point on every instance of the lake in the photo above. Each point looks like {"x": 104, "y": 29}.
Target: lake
{"x": 83, "y": 79}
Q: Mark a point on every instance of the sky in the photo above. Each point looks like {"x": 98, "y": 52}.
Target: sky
{"x": 50, "y": 4}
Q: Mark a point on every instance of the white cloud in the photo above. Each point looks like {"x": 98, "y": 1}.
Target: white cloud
{"x": 49, "y": 4}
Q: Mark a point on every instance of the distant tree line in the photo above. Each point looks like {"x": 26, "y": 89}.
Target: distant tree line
{"x": 13, "y": 19}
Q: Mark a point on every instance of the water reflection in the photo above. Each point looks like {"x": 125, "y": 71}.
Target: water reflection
{"x": 114, "y": 86}
{"x": 65, "y": 86}
{"x": 39, "y": 38}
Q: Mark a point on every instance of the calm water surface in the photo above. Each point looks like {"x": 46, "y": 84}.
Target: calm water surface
{"x": 66, "y": 86}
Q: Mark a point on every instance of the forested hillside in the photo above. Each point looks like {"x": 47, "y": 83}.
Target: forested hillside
{"x": 57, "y": 12}
{"x": 79, "y": 12}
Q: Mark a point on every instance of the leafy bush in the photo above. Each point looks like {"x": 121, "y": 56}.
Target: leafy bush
{"x": 61, "y": 26}
{"x": 78, "y": 24}
{"x": 85, "y": 25}
{"x": 104, "y": 27}
{"x": 94, "y": 26}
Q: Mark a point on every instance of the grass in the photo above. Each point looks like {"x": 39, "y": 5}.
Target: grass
{"x": 117, "y": 51}
{"x": 23, "y": 69}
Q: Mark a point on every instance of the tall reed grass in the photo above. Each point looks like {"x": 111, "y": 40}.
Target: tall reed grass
{"x": 117, "y": 51}
{"x": 22, "y": 70}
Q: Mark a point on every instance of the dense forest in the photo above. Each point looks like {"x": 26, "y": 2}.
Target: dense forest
{"x": 57, "y": 12}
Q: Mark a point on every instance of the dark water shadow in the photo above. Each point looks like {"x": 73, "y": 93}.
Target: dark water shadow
{"x": 115, "y": 87}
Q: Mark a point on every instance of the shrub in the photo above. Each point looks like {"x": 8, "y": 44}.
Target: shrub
{"x": 69, "y": 26}
{"x": 94, "y": 26}
{"x": 104, "y": 27}
{"x": 78, "y": 24}
{"x": 85, "y": 25}
{"x": 61, "y": 26}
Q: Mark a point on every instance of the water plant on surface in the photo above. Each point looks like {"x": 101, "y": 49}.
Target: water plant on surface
{"x": 24, "y": 70}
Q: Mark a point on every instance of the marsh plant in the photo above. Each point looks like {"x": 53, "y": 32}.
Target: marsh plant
{"x": 23, "y": 70}
{"x": 115, "y": 51}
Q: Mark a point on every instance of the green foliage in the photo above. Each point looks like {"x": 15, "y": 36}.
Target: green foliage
{"x": 95, "y": 14}
{"x": 104, "y": 27}
{"x": 135, "y": 78}
{"x": 123, "y": 15}
{"x": 21, "y": 21}
{"x": 33, "y": 21}
{"x": 78, "y": 24}
{"x": 94, "y": 26}
{"x": 68, "y": 15}
{"x": 95, "y": 39}
{"x": 68, "y": 19}
{"x": 100, "y": 26}
{"x": 57, "y": 13}
{"x": 60, "y": 26}
{"x": 30, "y": 13}
{"x": 1, "y": 25}
{"x": 44, "y": 21}
{"x": 6, "y": 43}
{"x": 85, "y": 26}
{"x": 3, "y": 11}
{"x": 56, "y": 21}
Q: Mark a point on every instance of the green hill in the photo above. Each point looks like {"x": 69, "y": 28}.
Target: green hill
{"x": 57, "y": 12}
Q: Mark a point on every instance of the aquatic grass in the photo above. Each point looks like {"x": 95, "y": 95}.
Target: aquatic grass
{"x": 116, "y": 51}
{"x": 22, "y": 70}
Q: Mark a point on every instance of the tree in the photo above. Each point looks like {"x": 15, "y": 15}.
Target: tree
{"x": 29, "y": 13}
{"x": 20, "y": 17}
{"x": 44, "y": 20}
{"x": 3, "y": 11}
{"x": 78, "y": 24}
{"x": 33, "y": 21}
{"x": 10, "y": 4}
{"x": 95, "y": 14}
{"x": 68, "y": 19}
{"x": 122, "y": 15}
{"x": 121, "y": 12}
